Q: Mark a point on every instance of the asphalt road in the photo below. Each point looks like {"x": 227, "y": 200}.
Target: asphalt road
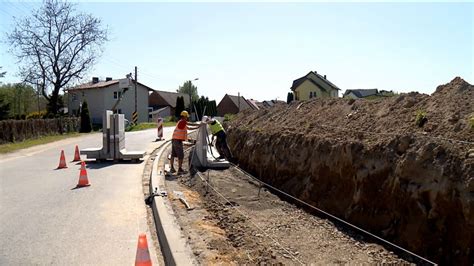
{"x": 43, "y": 220}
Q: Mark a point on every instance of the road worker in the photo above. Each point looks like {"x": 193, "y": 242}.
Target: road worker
{"x": 180, "y": 134}
{"x": 218, "y": 132}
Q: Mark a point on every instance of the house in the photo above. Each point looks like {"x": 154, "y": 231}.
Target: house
{"x": 360, "y": 93}
{"x": 161, "y": 99}
{"x": 313, "y": 85}
{"x": 254, "y": 103}
{"x": 231, "y": 104}
{"x": 103, "y": 95}
{"x": 271, "y": 103}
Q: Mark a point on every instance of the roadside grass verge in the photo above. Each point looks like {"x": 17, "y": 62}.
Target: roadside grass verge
{"x": 143, "y": 126}
{"x": 14, "y": 146}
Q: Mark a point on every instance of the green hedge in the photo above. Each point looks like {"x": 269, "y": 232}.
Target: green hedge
{"x": 19, "y": 130}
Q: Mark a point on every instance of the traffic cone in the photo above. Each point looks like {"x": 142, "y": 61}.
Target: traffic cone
{"x": 77, "y": 156}
{"x": 62, "y": 161}
{"x": 83, "y": 180}
{"x": 143, "y": 255}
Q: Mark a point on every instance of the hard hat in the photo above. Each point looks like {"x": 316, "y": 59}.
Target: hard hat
{"x": 185, "y": 113}
{"x": 205, "y": 118}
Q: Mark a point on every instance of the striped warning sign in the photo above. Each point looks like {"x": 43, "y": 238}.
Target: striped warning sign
{"x": 135, "y": 117}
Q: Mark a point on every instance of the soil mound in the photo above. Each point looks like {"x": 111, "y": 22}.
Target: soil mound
{"x": 398, "y": 166}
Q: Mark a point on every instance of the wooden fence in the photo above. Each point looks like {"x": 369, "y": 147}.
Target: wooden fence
{"x": 18, "y": 130}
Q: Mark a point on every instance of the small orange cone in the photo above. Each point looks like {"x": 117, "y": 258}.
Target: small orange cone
{"x": 83, "y": 180}
{"x": 62, "y": 161}
{"x": 77, "y": 156}
{"x": 143, "y": 255}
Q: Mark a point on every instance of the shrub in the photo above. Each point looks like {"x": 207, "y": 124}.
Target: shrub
{"x": 86, "y": 125}
{"x": 420, "y": 119}
{"x": 36, "y": 115}
{"x": 170, "y": 119}
{"x": 228, "y": 117}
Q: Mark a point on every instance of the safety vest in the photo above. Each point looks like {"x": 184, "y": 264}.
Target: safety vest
{"x": 216, "y": 127}
{"x": 180, "y": 134}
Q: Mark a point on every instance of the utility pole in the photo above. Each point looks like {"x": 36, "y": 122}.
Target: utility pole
{"x": 238, "y": 97}
{"x": 136, "y": 80}
{"x": 135, "y": 113}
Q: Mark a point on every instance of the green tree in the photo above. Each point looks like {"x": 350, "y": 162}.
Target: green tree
{"x": 21, "y": 98}
{"x": 56, "y": 46}
{"x": 189, "y": 88}
{"x": 289, "y": 97}
{"x": 86, "y": 125}
{"x": 2, "y": 74}
{"x": 4, "y": 108}
{"x": 212, "y": 108}
{"x": 179, "y": 106}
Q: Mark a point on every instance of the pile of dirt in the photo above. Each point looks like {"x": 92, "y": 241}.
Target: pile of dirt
{"x": 372, "y": 163}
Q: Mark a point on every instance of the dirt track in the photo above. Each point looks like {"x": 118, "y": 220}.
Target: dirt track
{"x": 231, "y": 224}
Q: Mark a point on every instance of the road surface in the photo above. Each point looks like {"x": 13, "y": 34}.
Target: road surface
{"x": 43, "y": 220}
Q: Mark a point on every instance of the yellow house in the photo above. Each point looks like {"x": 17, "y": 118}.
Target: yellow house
{"x": 313, "y": 85}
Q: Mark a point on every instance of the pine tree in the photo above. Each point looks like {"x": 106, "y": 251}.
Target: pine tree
{"x": 4, "y": 109}
{"x": 179, "y": 106}
{"x": 289, "y": 98}
{"x": 86, "y": 125}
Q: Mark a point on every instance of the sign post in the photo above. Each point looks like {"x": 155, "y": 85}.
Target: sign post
{"x": 159, "y": 124}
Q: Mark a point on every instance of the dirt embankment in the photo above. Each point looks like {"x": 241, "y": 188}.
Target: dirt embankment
{"x": 369, "y": 163}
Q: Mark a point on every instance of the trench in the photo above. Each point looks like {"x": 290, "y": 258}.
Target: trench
{"x": 415, "y": 192}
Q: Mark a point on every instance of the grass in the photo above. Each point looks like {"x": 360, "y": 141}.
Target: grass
{"x": 143, "y": 126}
{"x": 420, "y": 118}
{"x": 11, "y": 147}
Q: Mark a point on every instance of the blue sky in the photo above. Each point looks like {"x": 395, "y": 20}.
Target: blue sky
{"x": 258, "y": 49}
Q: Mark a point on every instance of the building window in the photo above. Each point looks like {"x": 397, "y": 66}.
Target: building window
{"x": 314, "y": 94}
{"x": 74, "y": 97}
{"x": 310, "y": 94}
{"x": 117, "y": 94}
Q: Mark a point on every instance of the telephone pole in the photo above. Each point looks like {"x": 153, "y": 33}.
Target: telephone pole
{"x": 135, "y": 113}
{"x": 136, "y": 80}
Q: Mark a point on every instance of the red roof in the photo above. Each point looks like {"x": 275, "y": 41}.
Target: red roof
{"x": 101, "y": 84}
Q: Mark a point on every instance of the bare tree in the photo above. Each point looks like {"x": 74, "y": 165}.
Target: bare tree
{"x": 55, "y": 46}
{"x": 2, "y": 74}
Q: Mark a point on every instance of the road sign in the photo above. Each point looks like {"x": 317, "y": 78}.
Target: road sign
{"x": 135, "y": 117}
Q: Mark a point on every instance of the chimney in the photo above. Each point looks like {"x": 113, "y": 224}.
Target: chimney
{"x": 324, "y": 76}
{"x": 108, "y": 79}
{"x": 95, "y": 80}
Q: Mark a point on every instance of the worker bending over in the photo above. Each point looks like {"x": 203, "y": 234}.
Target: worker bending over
{"x": 180, "y": 134}
{"x": 218, "y": 131}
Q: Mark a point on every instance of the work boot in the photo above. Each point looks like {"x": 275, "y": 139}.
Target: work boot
{"x": 181, "y": 171}
{"x": 172, "y": 170}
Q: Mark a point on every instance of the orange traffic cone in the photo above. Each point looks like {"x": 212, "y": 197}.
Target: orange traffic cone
{"x": 143, "y": 255}
{"x": 77, "y": 156}
{"x": 83, "y": 180}
{"x": 62, "y": 161}
{"x": 83, "y": 165}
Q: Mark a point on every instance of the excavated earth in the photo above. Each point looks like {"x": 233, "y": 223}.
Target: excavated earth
{"x": 368, "y": 162}
{"x": 231, "y": 223}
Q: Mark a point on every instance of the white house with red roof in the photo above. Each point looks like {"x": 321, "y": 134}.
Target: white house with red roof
{"x": 102, "y": 95}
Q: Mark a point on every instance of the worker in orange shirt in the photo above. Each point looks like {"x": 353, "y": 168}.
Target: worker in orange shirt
{"x": 180, "y": 134}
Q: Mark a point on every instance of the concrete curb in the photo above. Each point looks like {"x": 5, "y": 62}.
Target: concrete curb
{"x": 173, "y": 244}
